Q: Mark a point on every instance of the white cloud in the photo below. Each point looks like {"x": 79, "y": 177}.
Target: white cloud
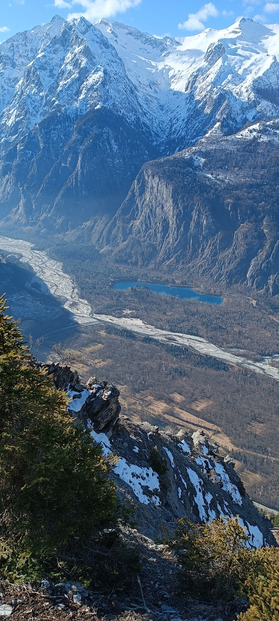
{"x": 192, "y": 23}
{"x": 97, "y": 9}
{"x": 227, "y": 13}
{"x": 196, "y": 20}
{"x": 250, "y": 5}
{"x": 271, "y": 7}
{"x": 61, "y": 4}
{"x": 259, "y": 18}
{"x": 4, "y": 29}
{"x": 252, "y": 2}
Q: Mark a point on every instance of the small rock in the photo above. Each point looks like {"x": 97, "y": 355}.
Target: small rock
{"x": 91, "y": 382}
{"x": 45, "y": 584}
{"x": 77, "y": 387}
{"x": 5, "y": 610}
{"x": 168, "y": 609}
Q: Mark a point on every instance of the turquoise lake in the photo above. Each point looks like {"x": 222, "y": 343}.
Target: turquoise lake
{"x": 183, "y": 293}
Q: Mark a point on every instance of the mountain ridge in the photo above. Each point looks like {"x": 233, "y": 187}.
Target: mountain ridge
{"x": 165, "y": 476}
{"x": 212, "y": 208}
{"x": 89, "y": 105}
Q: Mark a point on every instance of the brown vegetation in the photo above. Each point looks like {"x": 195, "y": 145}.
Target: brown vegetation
{"x": 177, "y": 387}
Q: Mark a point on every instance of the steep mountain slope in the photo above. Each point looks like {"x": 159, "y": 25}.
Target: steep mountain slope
{"x": 72, "y": 133}
{"x": 83, "y": 107}
{"x": 167, "y": 477}
{"x": 212, "y": 208}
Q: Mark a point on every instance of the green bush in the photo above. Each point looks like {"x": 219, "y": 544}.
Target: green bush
{"x": 54, "y": 485}
{"x": 216, "y": 564}
{"x": 214, "y": 559}
{"x": 263, "y": 587}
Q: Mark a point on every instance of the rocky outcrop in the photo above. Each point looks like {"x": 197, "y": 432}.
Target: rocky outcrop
{"x": 165, "y": 477}
{"x": 102, "y": 406}
{"x": 170, "y": 477}
{"x": 63, "y": 376}
{"x": 96, "y": 403}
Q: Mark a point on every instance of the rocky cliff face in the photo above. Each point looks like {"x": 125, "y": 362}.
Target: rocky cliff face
{"x": 212, "y": 208}
{"x": 166, "y": 477}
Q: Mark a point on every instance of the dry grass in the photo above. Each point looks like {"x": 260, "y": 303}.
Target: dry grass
{"x": 200, "y": 404}
{"x": 179, "y": 388}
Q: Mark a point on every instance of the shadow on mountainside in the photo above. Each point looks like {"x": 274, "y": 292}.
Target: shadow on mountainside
{"x": 42, "y": 317}
{"x": 152, "y": 594}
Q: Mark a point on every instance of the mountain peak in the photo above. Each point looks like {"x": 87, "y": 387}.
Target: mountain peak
{"x": 246, "y": 20}
{"x": 251, "y": 30}
{"x": 57, "y": 19}
{"x": 83, "y": 24}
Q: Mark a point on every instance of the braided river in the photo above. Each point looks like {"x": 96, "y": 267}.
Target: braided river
{"x": 63, "y": 288}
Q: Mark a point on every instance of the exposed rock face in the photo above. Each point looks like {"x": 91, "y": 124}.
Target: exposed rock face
{"x": 166, "y": 477}
{"x": 63, "y": 376}
{"x": 98, "y": 402}
{"x": 212, "y": 209}
{"x": 194, "y": 482}
{"x": 102, "y": 406}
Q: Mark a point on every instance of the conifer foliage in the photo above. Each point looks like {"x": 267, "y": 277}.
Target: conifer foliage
{"x": 214, "y": 558}
{"x": 54, "y": 484}
{"x": 217, "y": 563}
{"x": 263, "y": 587}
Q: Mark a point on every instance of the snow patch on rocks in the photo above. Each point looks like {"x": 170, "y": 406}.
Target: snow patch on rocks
{"x": 143, "y": 481}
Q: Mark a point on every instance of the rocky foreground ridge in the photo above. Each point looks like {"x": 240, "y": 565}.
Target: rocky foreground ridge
{"x": 165, "y": 476}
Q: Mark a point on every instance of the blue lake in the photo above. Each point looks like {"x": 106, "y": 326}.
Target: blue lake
{"x": 183, "y": 293}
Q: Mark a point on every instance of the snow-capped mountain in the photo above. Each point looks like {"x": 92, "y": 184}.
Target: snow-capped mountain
{"x": 83, "y": 107}
{"x": 72, "y": 132}
{"x": 188, "y": 85}
{"x": 67, "y": 66}
{"x": 164, "y": 82}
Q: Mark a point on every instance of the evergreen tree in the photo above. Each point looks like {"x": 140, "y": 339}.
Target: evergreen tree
{"x": 263, "y": 587}
{"x": 54, "y": 483}
{"x": 217, "y": 564}
{"x": 214, "y": 558}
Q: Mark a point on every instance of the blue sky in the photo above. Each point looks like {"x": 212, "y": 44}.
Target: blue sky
{"x": 160, "y": 17}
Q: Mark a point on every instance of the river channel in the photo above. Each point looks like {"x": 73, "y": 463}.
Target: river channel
{"x": 63, "y": 288}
